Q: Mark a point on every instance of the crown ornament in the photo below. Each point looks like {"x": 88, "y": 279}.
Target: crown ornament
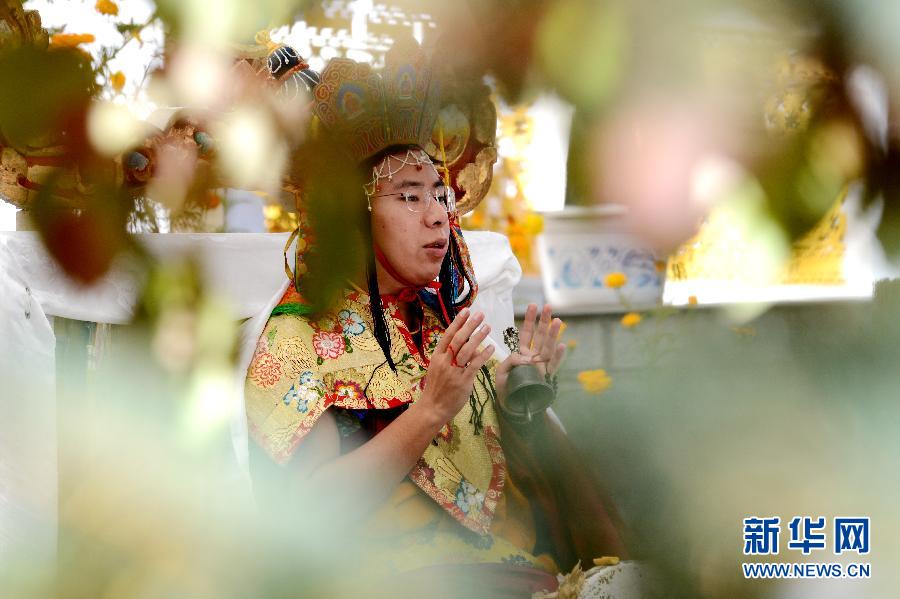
{"x": 367, "y": 112}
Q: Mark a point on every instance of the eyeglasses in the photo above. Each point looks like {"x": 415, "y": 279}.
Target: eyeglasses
{"x": 444, "y": 196}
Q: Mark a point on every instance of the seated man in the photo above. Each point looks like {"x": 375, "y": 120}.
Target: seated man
{"x": 382, "y": 410}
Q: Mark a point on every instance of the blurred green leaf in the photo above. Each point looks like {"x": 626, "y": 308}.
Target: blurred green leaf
{"x": 42, "y": 90}
{"x": 336, "y": 206}
{"x": 235, "y": 20}
{"x": 805, "y": 177}
{"x": 581, "y": 47}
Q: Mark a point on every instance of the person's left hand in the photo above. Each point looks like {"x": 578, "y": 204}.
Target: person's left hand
{"x": 538, "y": 345}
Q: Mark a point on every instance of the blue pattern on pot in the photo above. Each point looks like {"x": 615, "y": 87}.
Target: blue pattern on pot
{"x": 579, "y": 247}
{"x": 581, "y": 268}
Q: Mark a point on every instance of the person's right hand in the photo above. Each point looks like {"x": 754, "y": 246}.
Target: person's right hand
{"x": 456, "y": 359}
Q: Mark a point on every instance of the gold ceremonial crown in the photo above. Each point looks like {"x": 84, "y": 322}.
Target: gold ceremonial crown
{"x": 366, "y": 112}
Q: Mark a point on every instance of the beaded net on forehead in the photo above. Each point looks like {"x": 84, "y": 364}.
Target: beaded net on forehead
{"x": 393, "y": 164}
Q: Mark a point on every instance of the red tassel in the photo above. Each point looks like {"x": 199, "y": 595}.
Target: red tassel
{"x": 443, "y": 308}
{"x": 410, "y": 292}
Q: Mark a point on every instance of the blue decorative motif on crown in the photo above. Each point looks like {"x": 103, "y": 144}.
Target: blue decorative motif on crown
{"x": 350, "y": 100}
{"x": 367, "y": 112}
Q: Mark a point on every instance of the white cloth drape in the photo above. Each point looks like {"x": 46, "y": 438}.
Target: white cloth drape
{"x": 28, "y": 446}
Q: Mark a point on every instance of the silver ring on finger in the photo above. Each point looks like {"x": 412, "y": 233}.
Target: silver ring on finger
{"x": 460, "y": 363}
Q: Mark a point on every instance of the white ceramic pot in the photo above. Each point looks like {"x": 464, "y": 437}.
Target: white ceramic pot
{"x": 580, "y": 246}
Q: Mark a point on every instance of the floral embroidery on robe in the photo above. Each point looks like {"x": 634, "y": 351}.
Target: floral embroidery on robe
{"x": 303, "y": 367}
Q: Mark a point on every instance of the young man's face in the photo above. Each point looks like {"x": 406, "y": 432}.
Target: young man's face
{"x": 410, "y": 228}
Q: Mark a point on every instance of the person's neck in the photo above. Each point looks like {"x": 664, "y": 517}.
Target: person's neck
{"x": 388, "y": 285}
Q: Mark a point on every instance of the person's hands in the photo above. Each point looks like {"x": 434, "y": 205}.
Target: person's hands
{"x": 538, "y": 345}
{"x": 456, "y": 359}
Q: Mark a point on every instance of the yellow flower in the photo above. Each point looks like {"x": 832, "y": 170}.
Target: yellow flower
{"x": 117, "y": 80}
{"x": 594, "y": 381}
{"x": 615, "y": 280}
{"x": 107, "y": 7}
{"x": 534, "y": 223}
{"x": 631, "y": 319}
{"x": 70, "y": 40}
{"x": 571, "y": 344}
{"x": 562, "y": 329}
{"x": 692, "y": 300}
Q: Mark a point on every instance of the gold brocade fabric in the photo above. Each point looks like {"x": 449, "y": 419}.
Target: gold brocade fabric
{"x": 720, "y": 252}
{"x": 818, "y": 257}
{"x": 457, "y": 505}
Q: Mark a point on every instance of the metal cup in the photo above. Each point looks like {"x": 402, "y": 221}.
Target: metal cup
{"x": 528, "y": 394}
